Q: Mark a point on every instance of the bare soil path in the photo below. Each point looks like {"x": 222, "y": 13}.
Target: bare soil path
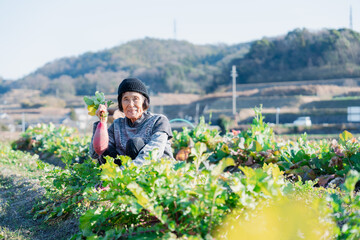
{"x": 19, "y": 191}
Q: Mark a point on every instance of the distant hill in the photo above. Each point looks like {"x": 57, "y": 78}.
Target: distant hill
{"x": 178, "y": 66}
{"x": 164, "y": 65}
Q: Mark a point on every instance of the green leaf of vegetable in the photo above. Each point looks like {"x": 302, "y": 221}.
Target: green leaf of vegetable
{"x": 258, "y": 146}
{"x": 109, "y": 103}
{"x": 88, "y": 101}
{"x": 139, "y": 193}
{"x": 352, "y": 178}
{"x": 109, "y": 170}
{"x": 345, "y": 136}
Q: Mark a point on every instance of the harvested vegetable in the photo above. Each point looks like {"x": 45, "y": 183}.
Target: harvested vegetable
{"x": 101, "y": 136}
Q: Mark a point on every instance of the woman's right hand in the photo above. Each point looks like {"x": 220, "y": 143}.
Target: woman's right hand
{"x": 102, "y": 113}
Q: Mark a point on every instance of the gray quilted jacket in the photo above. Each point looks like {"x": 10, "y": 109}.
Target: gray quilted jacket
{"x": 154, "y": 129}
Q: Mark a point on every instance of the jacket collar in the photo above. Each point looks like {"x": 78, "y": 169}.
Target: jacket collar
{"x": 142, "y": 119}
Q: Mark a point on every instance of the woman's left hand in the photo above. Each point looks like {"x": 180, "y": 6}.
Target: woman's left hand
{"x": 102, "y": 113}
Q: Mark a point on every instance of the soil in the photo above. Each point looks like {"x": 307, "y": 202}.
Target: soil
{"x": 18, "y": 194}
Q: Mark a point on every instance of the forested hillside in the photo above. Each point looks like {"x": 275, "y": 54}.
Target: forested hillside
{"x": 164, "y": 65}
{"x": 300, "y": 55}
{"x": 179, "y": 66}
{"x": 4, "y": 87}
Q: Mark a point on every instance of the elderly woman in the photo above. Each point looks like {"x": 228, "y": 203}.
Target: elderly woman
{"x": 139, "y": 132}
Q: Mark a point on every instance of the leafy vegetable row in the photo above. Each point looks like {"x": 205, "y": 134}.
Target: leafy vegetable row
{"x": 325, "y": 160}
{"x": 219, "y": 178}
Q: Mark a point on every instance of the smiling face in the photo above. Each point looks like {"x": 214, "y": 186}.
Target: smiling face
{"x": 132, "y": 104}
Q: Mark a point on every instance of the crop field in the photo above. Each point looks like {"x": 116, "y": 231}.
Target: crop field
{"x": 248, "y": 184}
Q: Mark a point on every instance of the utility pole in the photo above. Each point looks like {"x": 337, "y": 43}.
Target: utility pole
{"x": 23, "y": 122}
{"x": 197, "y": 113}
{"x": 234, "y": 75}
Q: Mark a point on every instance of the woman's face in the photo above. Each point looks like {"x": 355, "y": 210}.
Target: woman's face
{"x": 132, "y": 104}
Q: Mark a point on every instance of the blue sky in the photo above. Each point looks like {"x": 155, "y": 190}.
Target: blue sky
{"x": 34, "y": 32}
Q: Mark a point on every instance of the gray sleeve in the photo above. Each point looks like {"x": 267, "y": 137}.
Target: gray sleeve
{"x": 112, "y": 145}
{"x": 158, "y": 141}
{"x": 163, "y": 125}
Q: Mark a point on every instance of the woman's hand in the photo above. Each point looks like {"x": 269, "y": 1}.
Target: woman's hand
{"x": 102, "y": 113}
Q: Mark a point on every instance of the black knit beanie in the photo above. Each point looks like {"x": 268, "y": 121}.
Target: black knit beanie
{"x": 133, "y": 85}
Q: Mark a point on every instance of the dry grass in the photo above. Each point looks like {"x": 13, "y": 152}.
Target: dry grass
{"x": 324, "y": 91}
{"x": 9, "y": 136}
{"x": 173, "y": 99}
{"x": 281, "y": 96}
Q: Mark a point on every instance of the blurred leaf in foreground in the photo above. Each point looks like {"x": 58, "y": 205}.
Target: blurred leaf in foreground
{"x": 283, "y": 219}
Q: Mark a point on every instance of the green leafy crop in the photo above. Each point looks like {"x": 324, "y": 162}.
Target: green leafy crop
{"x": 94, "y": 102}
{"x": 237, "y": 175}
